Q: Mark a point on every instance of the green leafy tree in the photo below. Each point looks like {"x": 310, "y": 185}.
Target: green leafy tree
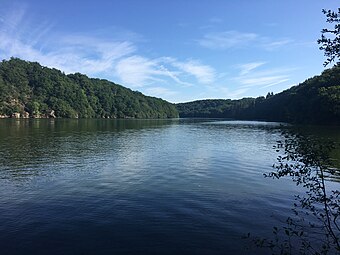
{"x": 314, "y": 227}
{"x": 27, "y": 86}
{"x": 315, "y": 101}
{"x": 330, "y": 38}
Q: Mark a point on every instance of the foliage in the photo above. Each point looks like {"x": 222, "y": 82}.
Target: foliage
{"x": 317, "y": 100}
{"x": 215, "y": 108}
{"x": 331, "y": 45}
{"x": 314, "y": 228}
{"x": 29, "y": 87}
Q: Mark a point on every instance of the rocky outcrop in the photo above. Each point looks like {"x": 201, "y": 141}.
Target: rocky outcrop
{"x": 16, "y": 115}
{"x": 52, "y": 114}
{"x": 25, "y": 115}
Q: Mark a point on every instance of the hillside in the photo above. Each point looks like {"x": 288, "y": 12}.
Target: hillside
{"x": 29, "y": 90}
{"x": 315, "y": 101}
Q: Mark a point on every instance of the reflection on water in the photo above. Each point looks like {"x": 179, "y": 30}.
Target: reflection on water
{"x": 137, "y": 186}
{"x": 26, "y": 144}
{"x": 313, "y": 227}
{"x": 324, "y": 135}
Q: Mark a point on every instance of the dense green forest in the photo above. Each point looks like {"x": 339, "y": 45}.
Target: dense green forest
{"x": 29, "y": 90}
{"x": 317, "y": 100}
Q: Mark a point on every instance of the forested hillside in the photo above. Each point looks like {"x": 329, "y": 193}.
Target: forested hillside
{"x": 317, "y": 100}
{"x": 29, "y": 90}
{"x": 216, "y": 108}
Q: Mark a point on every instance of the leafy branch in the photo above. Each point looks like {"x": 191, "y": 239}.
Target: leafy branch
{"x": 314, "y": 226}
{"x": 330, "y": 38}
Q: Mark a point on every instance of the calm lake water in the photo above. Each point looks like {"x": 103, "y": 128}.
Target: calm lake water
{"x": 139, "y": 186}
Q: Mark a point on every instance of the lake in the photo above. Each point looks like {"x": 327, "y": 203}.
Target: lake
{"x": 107, "y": 186}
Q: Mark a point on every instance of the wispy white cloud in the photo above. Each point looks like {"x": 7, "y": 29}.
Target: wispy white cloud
{"x": 160, "y": 92}
{"x": 276, "y": 82}
{"x": 12, "y": 19}
{"x": 227, "y": 39}
{"x": 175, "y": 76}
{"x": 235, "y": 39}
{"x": 68, "y": 53}
{"x": 226, "y": 92}
{"x": 203, "y": 73}
{"x": 273, "y": 45}
{"x": 246, "y": 68}
{"x": 235, "y": 94}
{"x": 97, "y": 47}
{"x": 139, "y": 71}
{"x": 249, "y": 76}
{"x": 115, "y": 59}
{"x": 223, "y": 92}
{"x": 88, "y": 56}
{"x": 264, "y": 81}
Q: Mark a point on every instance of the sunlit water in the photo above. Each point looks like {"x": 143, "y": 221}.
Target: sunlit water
{"x": 138, "y": 186}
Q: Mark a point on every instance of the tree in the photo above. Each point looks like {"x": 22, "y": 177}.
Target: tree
{"x": 330, "y": 38}
{"x": 29, "y": 87}
{"x": 314, "y": 227}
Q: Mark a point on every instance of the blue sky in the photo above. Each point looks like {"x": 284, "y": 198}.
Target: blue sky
{"x": 179, "y": 50}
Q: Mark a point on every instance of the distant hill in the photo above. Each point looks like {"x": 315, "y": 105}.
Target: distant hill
{"x": 28, "y": 89}
{"x": 315, "y": 101}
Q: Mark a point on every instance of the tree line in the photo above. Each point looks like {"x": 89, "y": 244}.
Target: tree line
{"x": 28, "y": 89}
{"x": 315, "y": 101}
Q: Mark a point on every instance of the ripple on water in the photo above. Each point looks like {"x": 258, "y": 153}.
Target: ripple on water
{"x": 146, "y": 187}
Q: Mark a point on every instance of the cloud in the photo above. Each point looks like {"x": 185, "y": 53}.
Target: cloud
{"x": 137, "y": 71}
{"x": 93, "y": 55}
{"x": 246, "y": 68}
{"x": 174, "y": 76}
{"x": 160, "y": 92}
{"x": 232, "y": 94}
{"x": 237, "y": 93}
{"x": 89, "y": 56}
{"x": 84, "y": 54}
{"x": 227, "y": 39}
{"x": 111, "y": 56}
{"x": 249, "y": 76}
{"x": 73, "y": 57}
{"x": 249, "y": 79}
{"x": 276, "y": 44}
{"x": 98, "y": 47}
{"x": 234, "y": 39}
{"x": 203, "y": 73}
{"x": 12, "y": 19}
{"x": 265, "y": 81}
{"x": 278, "y": 81}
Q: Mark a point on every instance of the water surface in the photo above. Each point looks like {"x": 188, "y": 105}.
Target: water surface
{"x": 138, "y": 186}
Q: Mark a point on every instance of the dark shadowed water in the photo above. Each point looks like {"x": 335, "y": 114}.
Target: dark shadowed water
{"x": 138, "y": 186}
